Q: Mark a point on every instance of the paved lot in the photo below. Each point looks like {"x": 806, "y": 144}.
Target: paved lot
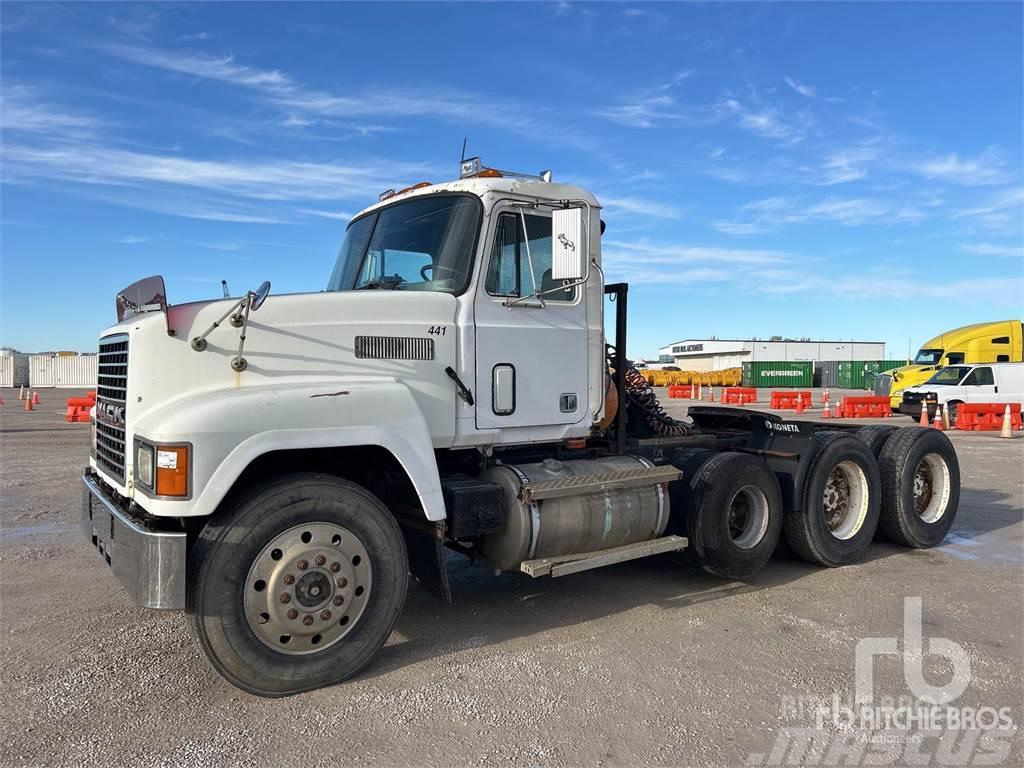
{"x": 644, "y": 663}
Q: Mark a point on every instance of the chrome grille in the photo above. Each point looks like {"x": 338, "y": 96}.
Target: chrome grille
{"x": 111, "y": 400}
{"x": 883, "y": 383}
{"x": 394, "y": 348}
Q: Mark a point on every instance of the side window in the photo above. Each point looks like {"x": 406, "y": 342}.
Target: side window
{"x": 509, "y": 273}
{"x": 1002, "y": 358}
{"x": 979, "y": 377}
{"x": 1001, "y": 340}
{"x": 955, "y": 358}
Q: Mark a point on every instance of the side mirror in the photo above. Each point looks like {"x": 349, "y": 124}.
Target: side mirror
{"x": 568, "y": 244}
{"x": 259, "y": 296}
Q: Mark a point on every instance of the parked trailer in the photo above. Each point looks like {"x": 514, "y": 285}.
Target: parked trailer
{"x": 63, "y": 370}
{"x": 6, "y": 370}
{"x": 280, "y": 479}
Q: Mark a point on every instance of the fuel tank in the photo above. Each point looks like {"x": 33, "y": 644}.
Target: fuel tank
{"x": 583, "y": 522}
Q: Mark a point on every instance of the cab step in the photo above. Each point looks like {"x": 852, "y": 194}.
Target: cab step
{"x": 577, "y": 485}
{"x": 563, "y": 565}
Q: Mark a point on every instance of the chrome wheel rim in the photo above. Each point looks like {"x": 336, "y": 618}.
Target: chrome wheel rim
{"x": 748, "y": 517}
{"x": 846, "y": 500}
{"x": 931, "y": 488}
{"x": 307, "y": 588}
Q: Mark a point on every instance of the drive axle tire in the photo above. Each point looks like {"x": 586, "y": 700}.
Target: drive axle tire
{"x": 297, "y": 584}
{"x": 687, "y": 461}
{"x": 735, "y": 515}
{"x": 920, "y": 487}
{"x": 874, "y": 436}
{"x": 841, "y": 501}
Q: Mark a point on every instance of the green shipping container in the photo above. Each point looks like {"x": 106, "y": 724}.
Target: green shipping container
{"x": 860, "y": 374}
{"x": 778, "y": 374}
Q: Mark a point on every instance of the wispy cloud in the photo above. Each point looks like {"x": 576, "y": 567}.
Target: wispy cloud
{"x": 845, "y": 165}
{"x": 131, "y": 239}
{"x": 772, "y": 213}
{"x": 652, "y": 106}
{"x": 987, "y": 168}
{"x": 339, "y": 215}
{"x": 766, "y": 121}
{"x": 988, "y": 249}
{"x": 299, "y": 102}
{"x": 24, "y": 110}
{"x": 641, "y": 207}
{"x": 801, "y": 88}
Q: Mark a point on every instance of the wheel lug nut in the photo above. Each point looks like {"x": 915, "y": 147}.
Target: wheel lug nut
{"x": 342, "y": 582}
{"x": 335, "y": 567}
{"x": 302, "y": 565}
{"x": 293, "y": 614}
{"x": 339, "y": 600}
{"x": 289, "y": 579}
{"x": 285, "y": 597}
{"x": 307, "y": 620}
{"x": 325, "y": 615}
{"x": 320, "y": 559}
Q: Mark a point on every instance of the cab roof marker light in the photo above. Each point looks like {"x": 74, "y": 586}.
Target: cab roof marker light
{"x": 473, "y": 167}
{"x": 385, "y": 195}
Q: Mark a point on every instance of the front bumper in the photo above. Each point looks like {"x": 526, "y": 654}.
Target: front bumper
{"x": 150, "y": 564}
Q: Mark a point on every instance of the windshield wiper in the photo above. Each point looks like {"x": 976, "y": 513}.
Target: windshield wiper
{"x": 385, "y": 283}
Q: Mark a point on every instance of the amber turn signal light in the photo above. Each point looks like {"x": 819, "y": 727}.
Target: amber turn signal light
{"x": 172, "y": 470}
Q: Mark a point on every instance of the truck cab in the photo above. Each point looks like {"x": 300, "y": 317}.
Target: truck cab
{"x": 995, "y": 342}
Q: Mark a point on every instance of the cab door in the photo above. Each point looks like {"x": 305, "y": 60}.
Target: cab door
{"x": 531, "y": 351}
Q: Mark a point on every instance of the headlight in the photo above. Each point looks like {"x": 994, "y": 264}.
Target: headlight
{"x": 144, "y": 465}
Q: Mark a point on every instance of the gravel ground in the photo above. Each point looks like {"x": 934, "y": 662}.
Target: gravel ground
{"x": 645, "y": 663}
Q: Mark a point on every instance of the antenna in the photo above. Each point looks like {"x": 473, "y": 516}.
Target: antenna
{"x": 224, "y": 287}
{"x": 461, "y": 159}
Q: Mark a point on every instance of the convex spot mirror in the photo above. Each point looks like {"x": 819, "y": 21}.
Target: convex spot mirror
{"x": 568, "y": 244}
{"x": 259, "y": 296}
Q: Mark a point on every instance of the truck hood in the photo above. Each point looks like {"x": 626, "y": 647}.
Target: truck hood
{"x": 325, "y": 339}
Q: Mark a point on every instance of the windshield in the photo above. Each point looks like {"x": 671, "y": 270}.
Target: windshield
{"x": 949, "y": 375}
{"x": 423, "y": 244}
{"x": 928, "y": 356}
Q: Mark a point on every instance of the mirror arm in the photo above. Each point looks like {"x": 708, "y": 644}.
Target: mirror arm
{"x": 239, "y": 364}
{"x": 199, "y": 342}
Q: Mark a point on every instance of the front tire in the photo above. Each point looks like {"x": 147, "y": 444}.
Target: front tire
{"x": 297, "y": 584}
{"x": 841, "y": 503}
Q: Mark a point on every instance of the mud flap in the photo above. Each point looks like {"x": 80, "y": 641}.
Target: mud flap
{"x": 426, "y": 562}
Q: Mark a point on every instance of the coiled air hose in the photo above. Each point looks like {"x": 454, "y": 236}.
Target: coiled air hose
{"x": 641, "y": 396}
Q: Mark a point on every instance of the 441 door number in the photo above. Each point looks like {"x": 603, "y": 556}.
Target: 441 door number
{"x": 437, "y": 330}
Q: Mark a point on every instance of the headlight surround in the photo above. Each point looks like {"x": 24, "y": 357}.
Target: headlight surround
{"x": 163, "y": 471}
{"x": 144, "y": 465}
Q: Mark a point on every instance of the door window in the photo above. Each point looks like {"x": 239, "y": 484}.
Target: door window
{"x": 509, "y": 272}
{"x": 979, "y": 377}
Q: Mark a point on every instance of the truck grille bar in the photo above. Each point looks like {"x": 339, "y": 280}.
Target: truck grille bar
{"x": 111, "y": 400}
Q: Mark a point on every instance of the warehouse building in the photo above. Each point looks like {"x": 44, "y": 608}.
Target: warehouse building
{"x": 719, "y": 354}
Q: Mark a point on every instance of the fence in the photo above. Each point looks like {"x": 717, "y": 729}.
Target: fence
{"x": 63, "y": 371}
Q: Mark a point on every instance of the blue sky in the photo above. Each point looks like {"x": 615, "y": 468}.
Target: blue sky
{"x": 824, "y": 170}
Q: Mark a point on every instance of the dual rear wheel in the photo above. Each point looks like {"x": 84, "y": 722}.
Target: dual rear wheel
{"x": 902, "y": 485}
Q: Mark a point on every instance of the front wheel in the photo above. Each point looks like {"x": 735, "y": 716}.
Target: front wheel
{"x": 297, "y": 585}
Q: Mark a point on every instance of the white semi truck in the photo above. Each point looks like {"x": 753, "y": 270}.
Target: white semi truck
{"x": 278, "y": 465}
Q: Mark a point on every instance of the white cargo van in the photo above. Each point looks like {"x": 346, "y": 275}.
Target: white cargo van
{"x": 955, "y": 384}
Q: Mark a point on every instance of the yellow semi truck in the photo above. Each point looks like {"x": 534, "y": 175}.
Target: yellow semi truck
{"x": 995, "y": 342}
